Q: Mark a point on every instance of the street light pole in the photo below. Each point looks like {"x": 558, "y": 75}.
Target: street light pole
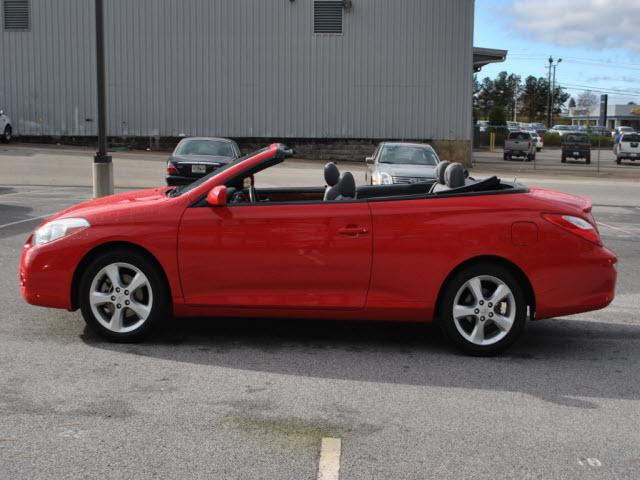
{"x": 549, "y": 95}
{"x": 553, "y": 93}
{"x": 102, "y": 165}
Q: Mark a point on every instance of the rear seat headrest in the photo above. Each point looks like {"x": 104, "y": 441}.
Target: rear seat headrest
{"x": 331, "y": 174}
{"x": 440, "y": 169}
{"x": 347, "y": 185}
{"x": 454, "y": 175}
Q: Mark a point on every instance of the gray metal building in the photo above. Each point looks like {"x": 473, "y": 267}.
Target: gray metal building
{"x": 302, "y": 69}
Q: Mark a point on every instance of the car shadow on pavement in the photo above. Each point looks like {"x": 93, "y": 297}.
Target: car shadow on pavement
{"x": 567, "y": 362}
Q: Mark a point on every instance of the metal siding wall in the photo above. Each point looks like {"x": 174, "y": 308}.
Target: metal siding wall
{"x": 244, "y": 68}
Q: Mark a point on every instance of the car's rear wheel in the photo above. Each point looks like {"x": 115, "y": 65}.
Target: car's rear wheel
{"x": 483, "y": 309}
{"x": 123, "y": 295}
{"x": 564, "y": 158}
{"x": 7, "y": 135}
{"x": 618, "y": 160}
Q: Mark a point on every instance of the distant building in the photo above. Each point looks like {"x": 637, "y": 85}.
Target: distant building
{"x": 326, "y": 71}
{"x": 617, "y": 116}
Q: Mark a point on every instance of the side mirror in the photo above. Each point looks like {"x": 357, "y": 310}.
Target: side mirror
{"x": 369, "y": 160}
{"x": 218, "y": 196}
{"x": 1, "y": 112}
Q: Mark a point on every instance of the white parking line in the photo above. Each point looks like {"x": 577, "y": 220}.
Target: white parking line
{"x": 628, "y": 232}
{"x": 26, "y": 220}
{"x": 329, "y": 468}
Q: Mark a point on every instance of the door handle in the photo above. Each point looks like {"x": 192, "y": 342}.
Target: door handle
{"x": 353, "y": 231}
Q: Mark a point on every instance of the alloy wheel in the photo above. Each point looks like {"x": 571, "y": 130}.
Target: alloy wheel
{"x": 484, "y": 310}
{"x": 121, "y": 297}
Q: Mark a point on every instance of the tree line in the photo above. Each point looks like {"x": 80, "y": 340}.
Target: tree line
{"x": 507, "y": 94}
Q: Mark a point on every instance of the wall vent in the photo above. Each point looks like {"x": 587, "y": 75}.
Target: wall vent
{"x": 327, "y": 16}
{"x": 16, "y": 15}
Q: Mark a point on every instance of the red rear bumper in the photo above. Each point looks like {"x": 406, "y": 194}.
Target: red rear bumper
{"x": 586, "y": 285}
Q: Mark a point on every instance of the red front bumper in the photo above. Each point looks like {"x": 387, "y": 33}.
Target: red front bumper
{"x": 45, "y": 278}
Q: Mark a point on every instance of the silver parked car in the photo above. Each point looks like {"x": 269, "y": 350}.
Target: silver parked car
{"x": 399, "y": 162}
{"x": 6, "y": 130}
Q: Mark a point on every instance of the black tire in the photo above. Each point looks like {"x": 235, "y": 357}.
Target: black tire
{"x": 538, "y": 149}
{"x": 618, "y": 160}
{"x": 564, "y": 158}
{"x": 588, "y": 159}
{"x": 505, "y": 157}
{"x": 159, "y": 294}
{"x": 445, "y": 309}
{"x": 7, "y": 135}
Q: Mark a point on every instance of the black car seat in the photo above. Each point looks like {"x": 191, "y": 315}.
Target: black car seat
{"x": 439, "y": 172}
{"x": 331, "y": 177}
{"x": 346, "y": 186}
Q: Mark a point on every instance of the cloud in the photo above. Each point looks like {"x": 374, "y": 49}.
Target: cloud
{"x": 609, "y": 78}
{"x": 597, "y": 24}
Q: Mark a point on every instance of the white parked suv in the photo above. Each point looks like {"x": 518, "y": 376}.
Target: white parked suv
{"x": 6, "y": 130}
{"x": 628, "y": 147}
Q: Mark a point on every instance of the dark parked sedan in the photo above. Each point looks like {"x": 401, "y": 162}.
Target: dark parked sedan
{"x": 198, "y": 156}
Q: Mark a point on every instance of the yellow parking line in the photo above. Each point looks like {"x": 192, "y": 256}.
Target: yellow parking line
{"x": 329, "y": 468}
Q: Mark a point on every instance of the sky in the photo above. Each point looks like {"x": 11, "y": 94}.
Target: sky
{"x": 598, "y": 41}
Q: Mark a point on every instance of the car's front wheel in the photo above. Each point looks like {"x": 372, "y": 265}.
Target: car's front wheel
{"x": 483, "y": 310}
{"x": 123, "y": 295}
{"x": 7, "y": 135}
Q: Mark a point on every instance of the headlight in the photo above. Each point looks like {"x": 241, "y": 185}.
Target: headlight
{"x": 57, "y": 229}
{"x": 381, "y": 178}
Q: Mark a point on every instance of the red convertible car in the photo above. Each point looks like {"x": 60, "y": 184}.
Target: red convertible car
{"x": 481, "y": 257}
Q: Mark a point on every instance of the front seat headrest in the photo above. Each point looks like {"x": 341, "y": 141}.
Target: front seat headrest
{"x": 439, "y": 171}
{"x": 454, "y": 175}
{"x": 331, "y": 174}
{"x": 347, "y": 186}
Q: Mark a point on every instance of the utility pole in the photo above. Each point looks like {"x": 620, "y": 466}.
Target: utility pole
{"x": 515, "y": 99}
{"x": 551, "y": 100}
{"x": 102, "y": 165}
{"x": 549, "y": 94}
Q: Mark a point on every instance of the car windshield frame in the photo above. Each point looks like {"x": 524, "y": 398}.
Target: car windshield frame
{"x": 427, "y": 151}
{"x": 179, "y": 151}
{"x": 182, "y": 189}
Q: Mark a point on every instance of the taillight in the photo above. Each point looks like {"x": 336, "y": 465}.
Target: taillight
{"x": 171, "y": 170}
{"x": 576, "y": 225}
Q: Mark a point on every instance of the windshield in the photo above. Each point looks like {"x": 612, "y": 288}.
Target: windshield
{"x": 626, "y": 129}
{"x": 519, "y": 136}
{"x": 578, "y": 138}
{"x": 633, "y": 137}
{"x": 561, "y": 127}
{"x": 408, "y": 155}
{"x": 205, "y": 147}
{"x": 187, "y": 188}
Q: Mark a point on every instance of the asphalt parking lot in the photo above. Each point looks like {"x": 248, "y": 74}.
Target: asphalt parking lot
{"x": 252, "y": 399}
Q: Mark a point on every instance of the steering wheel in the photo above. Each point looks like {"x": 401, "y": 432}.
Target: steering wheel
{"x": 253, "y": 196}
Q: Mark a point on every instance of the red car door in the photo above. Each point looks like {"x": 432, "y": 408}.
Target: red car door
{"x": 314, "y": 255}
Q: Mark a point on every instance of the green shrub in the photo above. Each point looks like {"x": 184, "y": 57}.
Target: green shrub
{"x": 555, "y": 140}
{"x": 604, "y": 141}
{"x": 551, "y": 139}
